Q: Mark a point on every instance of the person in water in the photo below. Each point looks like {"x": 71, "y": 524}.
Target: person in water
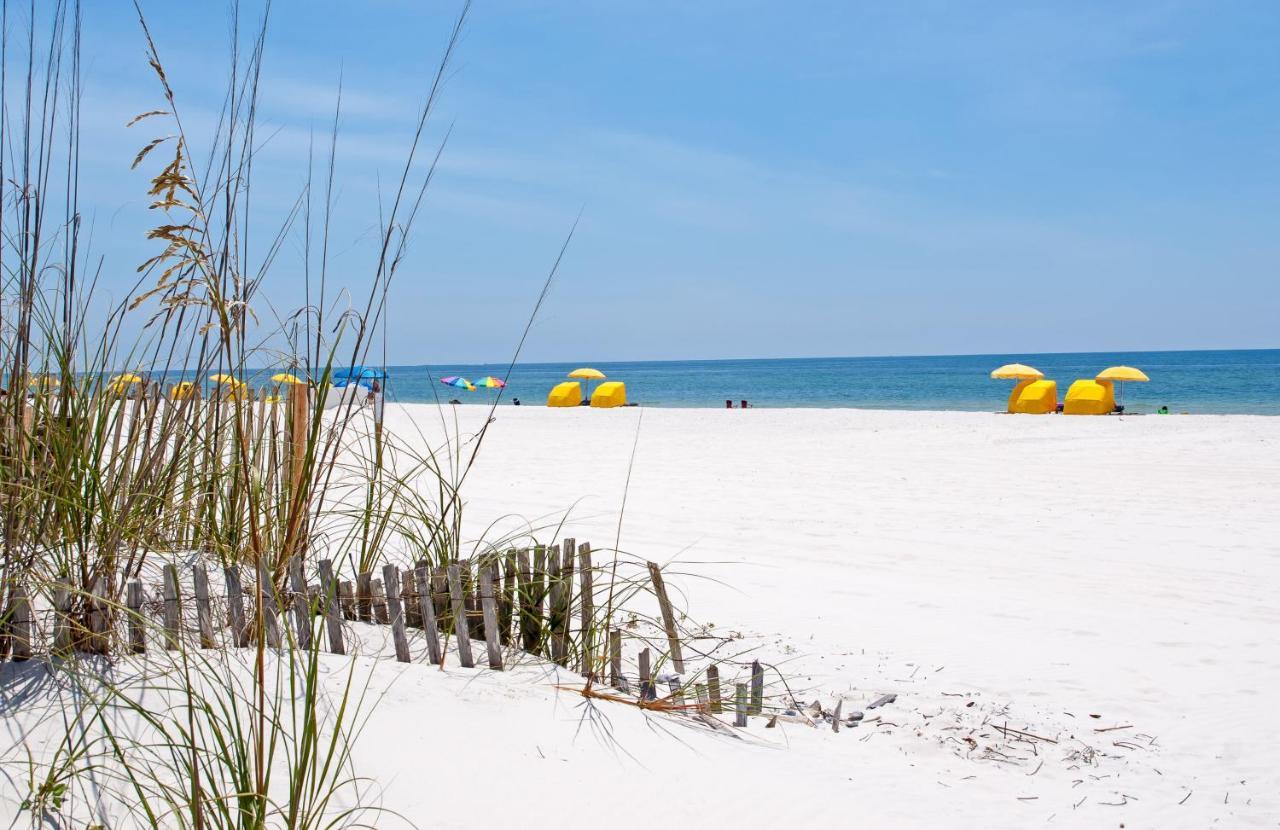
{"x": 515, "y": 401}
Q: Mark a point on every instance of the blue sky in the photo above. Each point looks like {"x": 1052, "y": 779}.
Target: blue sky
{"x": 758, "y": 179}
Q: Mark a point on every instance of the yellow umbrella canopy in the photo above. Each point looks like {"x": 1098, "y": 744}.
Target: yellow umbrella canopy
{"x": 1017, "y": 371}
{"x": 587, "y": 374}
{"x": 227, "y": 380}
{"x": 43, "y": 382}
{"x": 1123, "y": 373}
{"x": 285, "y": 377}
{"x": 126, "y": 379}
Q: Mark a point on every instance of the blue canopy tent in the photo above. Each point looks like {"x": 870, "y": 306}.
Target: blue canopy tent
{"x": 359, "y": 375}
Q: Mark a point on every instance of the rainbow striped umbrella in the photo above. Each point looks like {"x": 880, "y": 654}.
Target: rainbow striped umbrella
{"x": 490, "y": 382}
{"x": 461, "y": 383}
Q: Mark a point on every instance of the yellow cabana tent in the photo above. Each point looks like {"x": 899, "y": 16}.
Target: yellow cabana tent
{"x": 183, "y": 390}
{"x": 568, "y": 393}
{"x": 608, "y": 395}
{"x": 1034, "y": 397}
{"x": 120, "y": 384}
{"x": 285, "y": 377}
{"x": 1090, "y": 397}
{"x": 1026, "y": 376}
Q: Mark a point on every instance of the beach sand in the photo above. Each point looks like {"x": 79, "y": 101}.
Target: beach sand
{"x": 1048, "y": 569}
{"x": 1105, "y": 585}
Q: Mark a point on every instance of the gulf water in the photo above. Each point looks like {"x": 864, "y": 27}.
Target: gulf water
{"x": 1240, "y": 381}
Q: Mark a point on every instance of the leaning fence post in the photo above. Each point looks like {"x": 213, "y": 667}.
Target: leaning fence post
{"x": 422, "y": 577}
{"x": 391, "y": 579}
{"x": 137, "y": 629}
{"x": 460, "y": 617}
{"x": 489, "y": 607}
{"x": 757, "y": 688}
{"x": 332, "y": 613}
{"x": 235, "y": 607}
{"x": 298, "y": 600}
{"x": 740, "y": 705}
{"x": 668, "y": 616}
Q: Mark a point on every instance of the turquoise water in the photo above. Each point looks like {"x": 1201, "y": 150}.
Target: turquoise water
{"x": 1201, "y": 381}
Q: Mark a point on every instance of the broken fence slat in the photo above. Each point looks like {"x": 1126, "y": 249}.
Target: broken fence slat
{"x": 461, "y": 631}
{"x": 204, "y": 612}
{"x": 299, "y": 604}
{"x": 489, "y": 607}
{"x": 172, "y": 608}
{"x": 332, "y": 609}
{"x": 391, "y": 577}
{"x": 668, "y": 616}
{"x": 422, "y": 577}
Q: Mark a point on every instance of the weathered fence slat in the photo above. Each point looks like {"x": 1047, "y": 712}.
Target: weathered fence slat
{"x": 137, "y": 626}
{"x": 379, "y": 602}
{"x": 332, "y": 611}
{"x": 235, "y": 607}
{"x": 347, "y": 597}
{"x": 740, "y": 705}
{"x": 489, "y": 607}
{"x": 588, "y": 607}
{"x": 713, "y": 688}
{"x": 204, "y": 613}
{"x": 529, "y": 623}
{"x": 99, "y": 640}
{"x": 422, "y": 576}
{"x": 668, "y": 616}
{"x": 298, "y": 603}
{"x": 62, "y": 616}
{"x": 268, "y": 608}
{"x": 506, "y": 604}
{"x": 391, "y": 578}
{"x": 647, "y": 691}
{"x": 364, "y": 596}
{"x": 172, "y": 608}
{"x": 21, "y": 624}
{"x": 757, "y": 688}
{"x": 461, "y": 630}
{"x": 615, "y": 659}
{"x": 440, "y": 598}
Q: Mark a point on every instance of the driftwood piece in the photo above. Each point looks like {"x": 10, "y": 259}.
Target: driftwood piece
{"x": 835, "y": 718}
{"x": 668, "y": 616}
{"x": 422, "y": 577}
{"x": 391, "y": 578}
{"x": 462, "y": 632}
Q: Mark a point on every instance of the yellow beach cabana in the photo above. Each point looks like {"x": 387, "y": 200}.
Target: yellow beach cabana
{"x": 183, "y": 390}
{"x": 1090, "y": 397}
{"x": 1031, "y": 395}
{"x": 120, "y": 384}
{"x": 568, "y": 393}
{"x": 608, "y": 395}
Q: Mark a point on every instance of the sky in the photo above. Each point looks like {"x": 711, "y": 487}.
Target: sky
{"x": 749, "y": 179}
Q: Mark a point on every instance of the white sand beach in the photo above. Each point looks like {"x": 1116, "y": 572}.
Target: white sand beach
{"x": 1064, "y": 576}
{"x": 1101, "y": 586}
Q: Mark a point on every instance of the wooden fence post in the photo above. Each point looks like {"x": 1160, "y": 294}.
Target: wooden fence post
{"x": 268, "y": 608}
{"x": 235, "y": 607}
{"x": 668, "y": 616}
{"x": 588, "y": 606}
{"x": 440, "y": 598}
{"x": 713, "y": 687}
{"x": 204, "y": 613}
{"x": 757, "y": 688}
{"x": 489, "y": 607}
{"x": 172, "y": 608}
{"x": 20, "y": 609}
{"x": 422, "y": 577}
{"x": 100, "y": 617}
{"x": 615, "y": 659}
{"x": 740, "y": 705}
{"x": 62, "y": 616}
{"x": 460, "y": 617}
{"x": 137, "y": 627}
{"x": 408, "y": 591}
{"x": 332, "y": 613}
{"x": 379, "y": 602}
{"x": 391, "y": 578}
{"x": 347, "y": 595}
{"x": 647, "y": 691}
{"x": 299, "y": 602}
{"x": 529, "y": 623}
{"x": 566, "y": 600}
{"x": 506, "y": 606}
{"x": 364, "y": 596}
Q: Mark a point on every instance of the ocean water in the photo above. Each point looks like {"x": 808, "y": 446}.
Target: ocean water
{"x": 1199, "y": 381}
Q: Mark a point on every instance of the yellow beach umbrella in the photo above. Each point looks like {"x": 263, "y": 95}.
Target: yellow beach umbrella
{"x": 587, "y": 374}
{"x": 43, "y": 382}
{"x": 226, "y": 380}
{"x": 120, "y": 383}
{"x": 285, "y": 377}
{"x": 1123, "y": 373}
{"x": 1017, "y": 371}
